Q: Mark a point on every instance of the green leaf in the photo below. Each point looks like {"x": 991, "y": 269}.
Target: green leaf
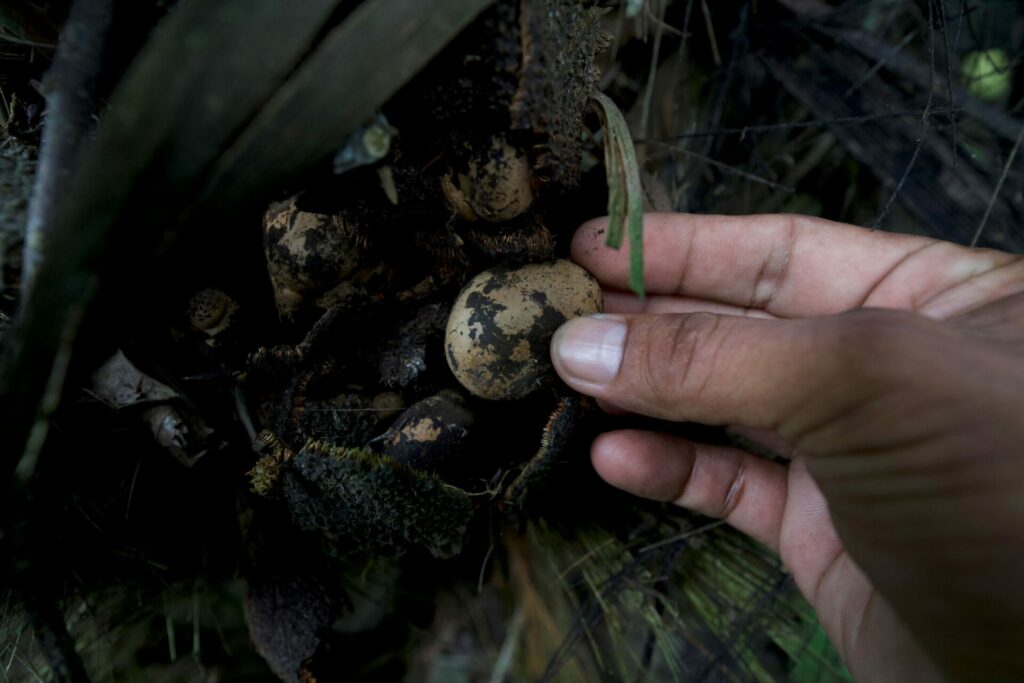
{"x": 625, "y": 193}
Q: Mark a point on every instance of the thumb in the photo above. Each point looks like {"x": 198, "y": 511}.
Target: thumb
{"x": 785, "y": 375}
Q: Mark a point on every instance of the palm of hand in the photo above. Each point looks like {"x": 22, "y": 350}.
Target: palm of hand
{"x": 793, "y": 271}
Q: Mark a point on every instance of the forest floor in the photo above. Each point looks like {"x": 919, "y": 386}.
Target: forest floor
{"x": 155, "y": 533}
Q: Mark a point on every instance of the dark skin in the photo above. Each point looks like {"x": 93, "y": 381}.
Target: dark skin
{"x": 889, "y": 368}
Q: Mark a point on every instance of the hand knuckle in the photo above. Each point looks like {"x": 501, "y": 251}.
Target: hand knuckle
{"x": 675, "y": 352}
{"x": 873, "y": 339}
{"x": 736, "y": 488}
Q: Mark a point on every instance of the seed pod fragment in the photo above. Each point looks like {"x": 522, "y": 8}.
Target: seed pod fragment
{"x": 494, "y": 182}
{"x": 212, "y": 311}
{"x": 432, "y": 435}
{"x": 307, "y": 253}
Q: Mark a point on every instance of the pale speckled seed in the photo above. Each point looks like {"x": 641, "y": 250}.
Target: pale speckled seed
{"x": 495, "y": 186}
{"x": 501, "y": 325}
{"x": 307, "y": 253}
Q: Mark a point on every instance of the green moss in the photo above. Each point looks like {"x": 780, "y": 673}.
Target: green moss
{"x": 559, "y": 70}
{"x": 264, "y": 475}
{"x": 358, "y": 501}
{"x": 287, "y": 616}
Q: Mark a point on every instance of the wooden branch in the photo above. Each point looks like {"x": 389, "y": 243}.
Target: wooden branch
{"x": 28, "y": 24}
{"x": 208, "y": 71}
{"x": 55, "y": 642}
{"x": 70, "y": 104}
{"x": 359, "y": 66}
{"x": 204, "y": 74}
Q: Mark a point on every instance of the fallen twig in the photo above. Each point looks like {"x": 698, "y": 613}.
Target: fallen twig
{"x": 70, "y": 103}
{"x": 999, "y": 187}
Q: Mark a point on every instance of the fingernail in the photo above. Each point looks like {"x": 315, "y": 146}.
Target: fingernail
{"x": 590, "y": 349}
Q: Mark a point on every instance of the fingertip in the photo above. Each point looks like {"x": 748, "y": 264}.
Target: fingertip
{"x": 611, "y": 408}
{"x": 616, "y": 301}
{"x": 587, "y": 351}
{"x": 587, "y": 239}
{"x": 622, "y": 302}
{"x": 610, "y": 459}
{"x": 748, "y": 492}
{"x": 639, "y": 463}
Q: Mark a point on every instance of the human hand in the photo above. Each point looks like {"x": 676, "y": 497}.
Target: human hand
{"x": 901, "y": 514}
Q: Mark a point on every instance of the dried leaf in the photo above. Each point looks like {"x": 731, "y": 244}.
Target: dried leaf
{"x": 120, "y": 384}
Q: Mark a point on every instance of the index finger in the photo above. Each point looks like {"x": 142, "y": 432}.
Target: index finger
{"x": 786, "y": 265}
